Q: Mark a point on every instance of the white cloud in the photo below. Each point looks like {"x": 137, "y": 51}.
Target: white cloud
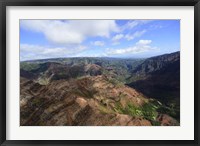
{"x": 72, "y": 31}
{"x": 133, "y": 23}
{"x": 135, "y": 35}
{"x": 98, "y": 43}
{"x": 115, "y": 43}
{"x": 139, "y": 47}
{"x": 31, "y": 52}
{"x": 90, "y": 54}
{"x": 117, "y": 37}
{"x": 143, "y": 42}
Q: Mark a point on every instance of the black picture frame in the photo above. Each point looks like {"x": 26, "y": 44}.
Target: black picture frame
{"x": 5, "y": 3}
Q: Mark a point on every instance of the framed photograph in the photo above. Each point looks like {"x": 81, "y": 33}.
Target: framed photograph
{"x": 99, "y": 72}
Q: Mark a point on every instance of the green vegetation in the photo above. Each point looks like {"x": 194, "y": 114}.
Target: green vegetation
{"x": 172, "y": 111}
{"x": 147, "y": 77}
{"x": 115, "y": 82}
{"x": 104, "y": 110}
{"x": 28, "y": 66}
{"x": 43, "y": 79}
{"x": 74, "y": 67}
{"x": 147, "y": 111}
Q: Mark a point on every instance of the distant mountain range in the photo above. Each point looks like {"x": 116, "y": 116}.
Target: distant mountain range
{"x": 101, "y": 91}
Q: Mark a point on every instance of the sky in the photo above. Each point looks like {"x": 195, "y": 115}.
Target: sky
{"x": 42, "y": 39}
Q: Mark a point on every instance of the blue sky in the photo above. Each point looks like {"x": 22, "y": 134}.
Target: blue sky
{"x": 41, "y": 39}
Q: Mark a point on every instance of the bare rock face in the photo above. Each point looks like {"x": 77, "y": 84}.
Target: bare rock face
{"x": 86, "y": 92}
{"x": 127, "y": 120}
{"x": 81, "y": 102}
{"x": 87, "y": 101}
{"x": 166, "y": 120}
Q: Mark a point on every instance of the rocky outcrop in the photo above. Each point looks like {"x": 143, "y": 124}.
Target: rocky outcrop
{"x": 166, "y": 120}
{"x": 87, "y": 101}
{"x": 92, "y": 92}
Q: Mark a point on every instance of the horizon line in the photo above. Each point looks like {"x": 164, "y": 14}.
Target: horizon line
{"x": 99, "y": 57}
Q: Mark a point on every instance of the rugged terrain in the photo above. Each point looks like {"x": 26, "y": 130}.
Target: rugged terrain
{"x": 100, "y": 91}
{"x": 159, "y": 78}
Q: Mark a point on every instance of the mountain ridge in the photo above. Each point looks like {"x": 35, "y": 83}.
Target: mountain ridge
{"x": 91, "y": 91}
